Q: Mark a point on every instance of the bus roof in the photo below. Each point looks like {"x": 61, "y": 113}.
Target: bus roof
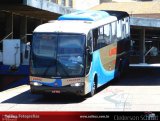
{"x": 88, "y": 15}
{"x": 78, "y": 22}
{"x": 63, "y": 27}
{"x": 118, "y": 14}
{"x": 72, "y": 26}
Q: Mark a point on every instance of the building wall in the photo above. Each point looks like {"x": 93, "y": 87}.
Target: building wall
{"x": 85, "y": 4}
{"x": 77, "y": 4}
{"x": 65, "y": 3}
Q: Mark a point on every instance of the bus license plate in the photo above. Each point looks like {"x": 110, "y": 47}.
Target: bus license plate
{"x": 56, "y": 91}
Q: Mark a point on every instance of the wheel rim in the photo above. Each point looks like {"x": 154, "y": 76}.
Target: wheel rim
{"x": 93, "y": 89}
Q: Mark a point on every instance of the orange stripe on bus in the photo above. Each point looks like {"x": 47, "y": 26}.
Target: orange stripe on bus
{"x": 114, "y": 61}
{"x": 113, "y": 51}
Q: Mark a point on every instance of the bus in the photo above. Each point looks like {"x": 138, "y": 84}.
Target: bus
{"x": 79, "y": 52}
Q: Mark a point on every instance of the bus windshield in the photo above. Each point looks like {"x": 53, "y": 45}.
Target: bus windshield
{"x": 57, "y": 55}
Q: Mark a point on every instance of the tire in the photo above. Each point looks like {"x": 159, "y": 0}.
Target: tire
{"x": 94, "y": 87}
{"x": 125, "y": 68}
{"x": 120, "y": 71}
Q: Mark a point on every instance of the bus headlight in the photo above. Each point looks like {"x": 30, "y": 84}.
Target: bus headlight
{"x": 77, "y": 84}
{"x": 36, "y": 84}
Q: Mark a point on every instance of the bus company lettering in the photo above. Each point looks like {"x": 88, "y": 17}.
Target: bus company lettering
{"x": 74, "y": 80}
{"x": 36, "y": 79}
{"x": 113, "y": 51}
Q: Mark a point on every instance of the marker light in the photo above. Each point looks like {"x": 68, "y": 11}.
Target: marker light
{"x": 77, "y": 84}
{"x": 36, "y": 84}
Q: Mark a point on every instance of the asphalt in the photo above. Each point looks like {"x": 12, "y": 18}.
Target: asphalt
{"x": 138, "y": 90}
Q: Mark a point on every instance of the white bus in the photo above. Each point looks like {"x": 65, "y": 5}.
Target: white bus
{"x": 79, "y": 52}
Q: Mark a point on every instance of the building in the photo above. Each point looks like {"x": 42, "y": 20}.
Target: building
{"x": 18, "y": 19}
{"x": 84, "y": 4}
{"x": 77, "y": 4}
{"x": 145, "y": 29}
{"x": 66, "y": 3}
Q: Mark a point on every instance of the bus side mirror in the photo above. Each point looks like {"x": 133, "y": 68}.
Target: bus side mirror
{"x": 89, "y": 54}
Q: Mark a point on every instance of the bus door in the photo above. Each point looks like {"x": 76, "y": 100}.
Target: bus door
{"x": 89, "y": 49}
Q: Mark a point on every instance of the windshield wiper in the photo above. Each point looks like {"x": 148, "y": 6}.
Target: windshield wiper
{"x": 63, "y": 68}
{"x": 50, "y": 65}
{"x": 57, "y": 63}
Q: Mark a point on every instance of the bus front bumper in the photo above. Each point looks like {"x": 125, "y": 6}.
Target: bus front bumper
{"x": 57, "y": 90}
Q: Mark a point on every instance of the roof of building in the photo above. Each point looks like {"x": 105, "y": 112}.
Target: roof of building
{"x": 131, "y": 7}
{"x": 46, "y": 10}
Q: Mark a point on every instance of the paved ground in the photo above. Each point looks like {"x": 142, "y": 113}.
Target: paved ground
{"x": 139, "y": 90}
{"x": 124, "y": 0}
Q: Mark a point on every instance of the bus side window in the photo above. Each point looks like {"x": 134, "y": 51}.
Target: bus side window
{"x": 119, "y": 30}
{"x": 114, "y": 31}
{"x": 89, "y": 41}
{"x": 123, "y": 28}
{"x": 107, "y": 33}
{"x": 127, "y": 27}
{"x": 95, "y": 37}
{"x": 102, "y": 39}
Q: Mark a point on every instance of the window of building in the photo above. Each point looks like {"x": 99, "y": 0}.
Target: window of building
{"x": 63, "y": 2}
{"x": 54, "y": 1}
{"x": 70, "y": 3}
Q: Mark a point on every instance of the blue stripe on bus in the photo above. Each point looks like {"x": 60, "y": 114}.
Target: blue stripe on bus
{"x": 85, "y": 15}
{"x": 104, "y": 76}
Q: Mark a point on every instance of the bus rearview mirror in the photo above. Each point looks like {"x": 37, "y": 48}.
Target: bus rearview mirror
{"x": 89, "y": 54}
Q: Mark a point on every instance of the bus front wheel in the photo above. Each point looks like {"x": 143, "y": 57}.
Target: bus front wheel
{"x": 94, "y": 87}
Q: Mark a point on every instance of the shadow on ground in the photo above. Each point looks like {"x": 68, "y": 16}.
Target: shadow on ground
{"x": 140, "y": 77}
{"x": 28, "y": 98}
{"x": 136, "y": 77}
